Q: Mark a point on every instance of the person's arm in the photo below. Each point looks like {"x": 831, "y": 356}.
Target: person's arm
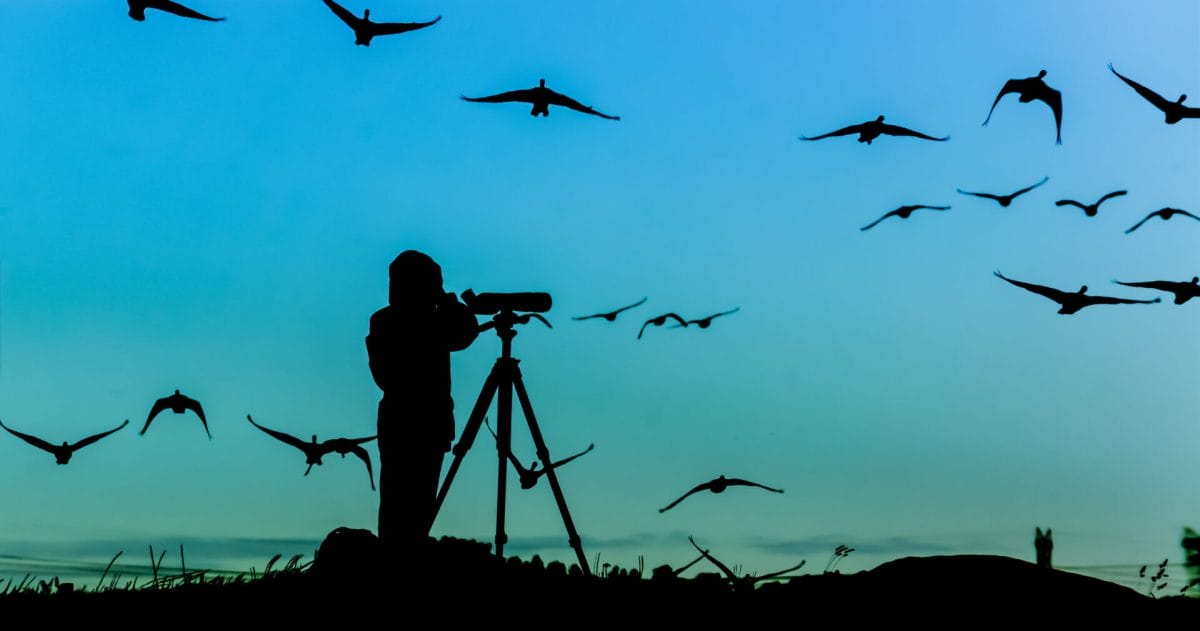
{"x": 460, "y": 326}
{"x": 376, "y": 352}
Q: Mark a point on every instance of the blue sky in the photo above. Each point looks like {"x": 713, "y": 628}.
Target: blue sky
{"x": 212, "y": 207}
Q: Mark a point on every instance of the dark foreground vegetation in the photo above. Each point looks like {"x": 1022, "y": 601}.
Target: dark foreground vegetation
{"x": 457, "y": 581}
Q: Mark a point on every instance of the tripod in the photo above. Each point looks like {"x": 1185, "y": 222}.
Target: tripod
{"x": 500, "y": 383}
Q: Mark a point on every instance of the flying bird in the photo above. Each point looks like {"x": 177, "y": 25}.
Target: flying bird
{"x": 365, "y": 29}
{"x": 62, "y": 453}
{"x": 530, "y": 476}
{"x": 314, "y": 451}
{"x": 1073, "y": 301}
{"x": 611, "y": 315}
{"x": 1183, "y": 291}
{"x": 706, "y": 321}
{"x": 178, "y": 404}
{"x": 1005, "y": 200}
{"x": 1165, "y": 213}
{"x": 717, "y": 486}
{"x": 740, "y": 583}
{"x": 1090, "y": 209}
{"x": 659, "y": 321}
{"x": 1030, "y": 89}
{"x": 902, "y": 212}
{"x": 137, "y": 10}
{"x": 1173, "y": 111}
{"x": 871, "y": 130}
{"x": 542, "y": 98}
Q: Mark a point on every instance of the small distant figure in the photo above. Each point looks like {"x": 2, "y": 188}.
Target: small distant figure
{"x": 1073, "y": 301}
{"x": 1030, "y": 89}
{"x": 902, "y": 212}
{"x": 62, "y": 453}
{"x": 611, "y": 315}
{"x": 717, "y": 486}
{"x": 314, "y": 451}
{"x": 365, "y": 29}
{"x": 542, "y": 98}
{"x": 661, "y": 320}
{"x": 1165, "y": 214}
{"x": 137, "y": 10}
{"x": 1043, "y": 543}
{"x": 177, "y": 403}
{"x": 1006, "y": 200}
{"x": 1183, "y": 291}
{"x": 871, "y": 130}
{"x": 1173, "y": 111}
{"x": 706, "y": 321}
{"x": 529, "y": 477}
{"x": 1090, "y": 209}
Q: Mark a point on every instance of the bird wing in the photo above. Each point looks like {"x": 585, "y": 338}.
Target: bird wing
{"x": 781, "y": 572}
{"x": 568, "y": 459}
{"x": 194, "y": 405}
{"x": 1110, "y": 196}
{"x": 1012, "y": 85}
{"x": 896, "y": 130}
{"x": 180, "y": 10}
{"x": 845, "y": 131}
{"x": 556, "y": 98}
{"x": 643, "y": 329}
{"x": 1056, "y": 295}
{"x": 287, "y": 438}
{"x": 1155, "y": 98}
{"x": 983, "y": 195}
{"x": 1030, "y": 188}
{"x": 1187, "y": 214}
{"x": 32, "y": 440}
{"x": 521, "y": 470}
{"x": 1053, "y": 98}
{"x": 699, "y": 487}
{"x": 393, "y": 28}
{"x": 95, "y": 437}
{"x": 920, "y": 206}
{"x": 366, "y": 458}
{"x": 741, "y": 482}
{"x": 1137, "y": 225}
{"x": 636, "y": 304}
{"x": 589, "y": 317}
{"x": 1109, "y": 300}
{"x": 158, "y": 406}
{"x": 349, "y": 18}
{"x": 715, "y": 315}
{"x": 675, "y": 317}
{"x": 724, "y": 569}
{"x": 523, "y": 96}
{"x": 1070, "y": 202}
{"x": 1161, "y": 285}
{"x": 876, "y": 222}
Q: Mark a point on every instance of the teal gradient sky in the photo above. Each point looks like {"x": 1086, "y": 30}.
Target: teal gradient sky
{"x": 212, "y": 207}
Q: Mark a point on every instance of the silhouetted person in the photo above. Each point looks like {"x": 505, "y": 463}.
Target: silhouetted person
{"x": 178, "y": 404}
{"x": 1073, "y": 301}
{"x": 902, "y": 212}
{"x": 365, "y": 29}
{"x": 314, "y": 451}
{"x": 1090, "y": 209}
{"x": 706, "y": 321}
{"x": 409, "y": 346}
{"x": 1030, "y": 89}
{"x": 1043, "y": 544}
{"x": 62, "y": 453}
{"x": 1005, "y": 200}
{"x": 1183, "y": 291}
{"x": 137, "y": 10}
{"x": 1165, "y": 213}
{"x": 1173, "y": 111}
{"x": 610, "y": 315}
{"x": 661, "y": 320}
{"x": 542, "y": 98}
{"x": 529, "y": 477}
{"x": 717, "y": 486}
{"x": 871, "y": 130}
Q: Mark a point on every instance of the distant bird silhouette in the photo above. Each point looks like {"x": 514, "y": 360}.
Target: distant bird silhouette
{"x": 1073, "y": 301}
{"x": 314, "y": 451}
{"x": 706, "y": 321}
{"x": 62, "y": 453}
{"x": 871, "y": 130}
{"x": 902, "y": 212}
{"x": 365, "y": 29}
{"x": 1165, "y": 213}
{"x": 1030, "y": 89}
{"x": 1173, "y": 111}
{"x": 137, "y": 10}
{"x": 1005, "y": 200}
{"x": 1090, "y": 209}
{"x": 542, "y": 98}
{"x": 178, "y": 404}
{"x": 611, "y": 315}
{"x": 717, "y": 486}
{"x": 741, "y": 583}
{"x": 529, "y": 477}
{"x": 1183, "y": 291}
{"x": 661, "y": 320}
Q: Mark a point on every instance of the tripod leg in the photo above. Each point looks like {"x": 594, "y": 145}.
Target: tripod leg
{"x": 467, "y": 438}
{"x": 503, "y": 443}
{"x": 544, "y": 455}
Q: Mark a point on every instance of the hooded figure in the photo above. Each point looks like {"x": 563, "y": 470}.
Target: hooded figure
{"x": 409, "y": 346}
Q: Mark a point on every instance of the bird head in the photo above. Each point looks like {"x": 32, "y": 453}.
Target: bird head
{"x": 1041, "y": 74}
{"x": 1195, "y": 280}
{"x": 314, "y": 440}
{"x": 541, "y": 83}
{"x": 366, "y": 14}
{"x": 880, "y": 119}
{"x": 1082, "y": 290}
{"x": 1182, "y": 98}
